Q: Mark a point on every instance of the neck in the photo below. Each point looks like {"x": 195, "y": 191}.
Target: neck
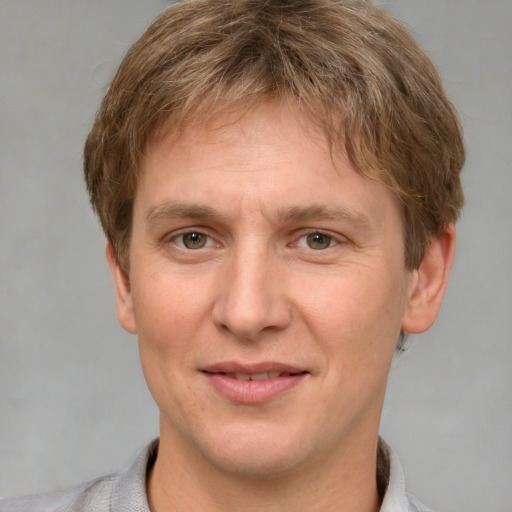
{"x": 182, "y": 482}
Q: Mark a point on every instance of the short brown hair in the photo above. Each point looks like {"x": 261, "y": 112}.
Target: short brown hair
{"x": 351, "y": 65}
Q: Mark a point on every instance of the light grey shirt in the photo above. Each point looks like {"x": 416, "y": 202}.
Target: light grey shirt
{"x": 126, "y": 491}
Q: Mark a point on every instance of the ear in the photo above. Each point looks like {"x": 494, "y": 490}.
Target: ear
{"x": 429, "y": 282}
{"x": 122, "y": 287}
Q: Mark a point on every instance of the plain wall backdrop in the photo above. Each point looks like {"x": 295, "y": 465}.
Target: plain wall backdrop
{"x": 73, "y": 403}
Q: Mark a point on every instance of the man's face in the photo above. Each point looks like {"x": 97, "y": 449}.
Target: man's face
{"x": 267, "y": 287}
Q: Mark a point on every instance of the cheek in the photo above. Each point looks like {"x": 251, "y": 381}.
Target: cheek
{"x": 168, "y": 317}
{"x": 167, "y": 328}
{"x": 355, "y": 318}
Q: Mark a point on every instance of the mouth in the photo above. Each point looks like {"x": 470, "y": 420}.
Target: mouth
{"x": 257, "y": 376}
{"x": 253, "y": 384}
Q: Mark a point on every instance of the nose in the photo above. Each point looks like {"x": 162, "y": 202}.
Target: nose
{"x": 251, "y": 299}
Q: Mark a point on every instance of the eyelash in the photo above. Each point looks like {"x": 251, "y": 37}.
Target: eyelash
{"x": 178, "y": 240}
{"x": 333, "y": 240}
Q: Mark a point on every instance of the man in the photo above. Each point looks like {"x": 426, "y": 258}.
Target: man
{"x": 278, "y": 183}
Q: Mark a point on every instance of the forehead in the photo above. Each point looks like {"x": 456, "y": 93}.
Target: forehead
{"x": 265, "y": 136}
{"x": 249, "y": 123}
{"x": 274, "y": 157}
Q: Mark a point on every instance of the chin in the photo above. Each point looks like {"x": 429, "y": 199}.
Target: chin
{"x": 257, "y": 463}
{"x": 257, "y": 452}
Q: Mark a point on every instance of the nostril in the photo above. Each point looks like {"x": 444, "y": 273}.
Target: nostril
{"x": 249, "y": 320}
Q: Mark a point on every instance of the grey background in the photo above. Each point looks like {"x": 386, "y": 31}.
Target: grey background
{"x": 73, "y": 404}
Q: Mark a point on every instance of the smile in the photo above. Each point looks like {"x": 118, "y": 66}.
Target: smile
{"x": 258, "y": 376}
{"x": 252, "y": 386}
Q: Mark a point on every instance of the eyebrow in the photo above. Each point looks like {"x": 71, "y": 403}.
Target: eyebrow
{"x": 173, "y": 210}
{"x": 320, "y": 212}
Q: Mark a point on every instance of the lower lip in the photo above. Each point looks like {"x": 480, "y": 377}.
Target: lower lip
{"x": 253, "y": 391}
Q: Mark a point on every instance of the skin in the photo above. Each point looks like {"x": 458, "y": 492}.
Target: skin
{"x": 252, "y": 188}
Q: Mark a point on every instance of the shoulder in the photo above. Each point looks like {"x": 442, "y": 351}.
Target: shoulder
{"x": 86, "y": 497}
{"x": 117, "y": 492}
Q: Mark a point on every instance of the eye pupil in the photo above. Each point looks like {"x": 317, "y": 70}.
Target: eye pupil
{"x": 318, "y": 241}
{"x": 194, "y": 240}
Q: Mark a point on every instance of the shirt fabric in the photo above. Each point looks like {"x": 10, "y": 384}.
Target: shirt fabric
{"x": 126, "y": 491}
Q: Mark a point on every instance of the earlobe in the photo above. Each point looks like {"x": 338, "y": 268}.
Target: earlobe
{"x": 123, "y": 292}
{"x": 429, "y": 282}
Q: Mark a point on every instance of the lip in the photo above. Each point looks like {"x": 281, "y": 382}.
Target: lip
{"x": 252, "y": 392}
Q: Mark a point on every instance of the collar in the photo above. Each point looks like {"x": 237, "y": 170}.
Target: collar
{"x": 130, "y": 493}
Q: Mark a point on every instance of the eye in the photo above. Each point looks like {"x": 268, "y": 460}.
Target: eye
{"x": 193, "y": 240}
{"x": 316, "y": 241}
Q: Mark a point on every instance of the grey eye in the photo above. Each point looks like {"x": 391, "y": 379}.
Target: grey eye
{"x": 318, "y": 241}
{"x": 194, "y": 240}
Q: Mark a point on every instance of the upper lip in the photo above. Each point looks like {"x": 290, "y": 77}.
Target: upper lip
{"x": 251, "y": 368}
